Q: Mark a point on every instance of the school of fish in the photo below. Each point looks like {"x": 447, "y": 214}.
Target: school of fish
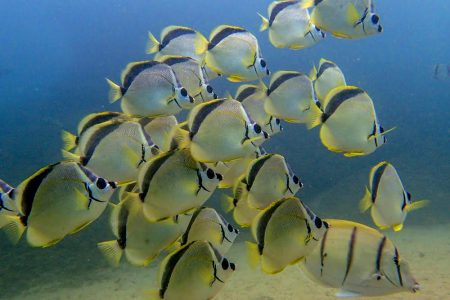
{"x": 156, "y": 173}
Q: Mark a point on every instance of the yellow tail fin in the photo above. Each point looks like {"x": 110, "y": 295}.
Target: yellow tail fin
{"x": 152, "y": 44}
{"x": 180, "y": 137}
{"x": 315, "y": 116}
{"x": 115, "y": 92}
{"x": 70, "y": 156}
{"x": 264, "y": 23}
{"x": 112, "y": 251}
{"x": 69, "y": 140}
{"x": 201, "y": 44}
{"x": 313, "y": 73}
{"x": 226, "y": 203}
{"x": 306, "y": 4}
{"x": 14, "y": 228}
{"x": 252, "y": 254}
{"x": 366, "y": 201}
{"x": 416, "y": 205}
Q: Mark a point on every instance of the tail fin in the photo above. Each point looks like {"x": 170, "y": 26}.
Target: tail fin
{"x": 14, "y": 228}
{"x": 313, "y": 73}
{"x": 252, "y": 254}
{"x": 416, "y": 205}
{"x": 115, "y": 91}
{"x": 152, "y": 44}
{"x": 307, "y": 4}
{"x": 366, "y": 201}
{"x": 264, "y": 23}
{"x": 180, "y": 137}
{"x": 315, "y": 117}
{"x": 70, "y": 156}
{"x": 226, "y": 203}
{"x": 201, "y": 44}
{"x": 69, "y": 140}
{"x": 112, "y": 251}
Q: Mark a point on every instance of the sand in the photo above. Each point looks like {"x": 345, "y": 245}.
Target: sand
{"x": 426, "y": 250}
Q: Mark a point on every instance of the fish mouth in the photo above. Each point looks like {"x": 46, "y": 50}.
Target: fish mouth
{"x": 415, "y": 288}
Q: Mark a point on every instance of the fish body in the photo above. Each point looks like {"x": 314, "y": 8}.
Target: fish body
{"x": 290, "y": 26}
{"x": 115, "y": 149}
{"x": 195, "y": 271}
{"x": 221, "y": 130}
{"x": 160, "y": 130}
{"x": 348, "y": 19}
{"x": 174, "y": 183}
{"x": 253, "y": 98}
{"x": 139, "y": 239}
{"x": 358, "y": 260}
{"x": 234, "y": 52}
{"x": 327, "y": 77}
{"x": 268, "y": 178}
{"x": 58, "y": 200}
{"x": 207, "y": 224}
{"x": 349, "y": 122}
{"x": 285, "y": 233}
{"x": 290, "y": 97}
{"x": 149, "y": 89}
{"x": 387, "y": 198}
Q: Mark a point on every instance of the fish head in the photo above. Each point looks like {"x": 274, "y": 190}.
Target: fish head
{"x": 316, "y": 33}
{"x": 207, "y": 92}
{"x": 151, "y": 150}
{"x": 371, "y": 24}
{"x": 6, "y": 201}
{"x": 396, "y": 274}
{"x": 381, "y": 139}
{"x": 210, "y": 178}
{"x": 182, "y": 97}
{"x": 230, "y": 232}
{"x": 261, "y": 67}
{"x": 274, "y": 125}
{"x": 225, "y": 269}
{"x": 294, "y": 183}
{"x": 254, "y": 132}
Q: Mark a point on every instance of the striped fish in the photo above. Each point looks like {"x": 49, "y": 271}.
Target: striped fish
{"x": 327, "y": 77}
{"x": 359, "y": 261}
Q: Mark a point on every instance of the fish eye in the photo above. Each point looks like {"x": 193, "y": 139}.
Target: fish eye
{"x": 219, "y": 176}
{"x": 183, "y": 92}
{"x": 101, "y": 183}
{"x": 210, "y": 173}
{"x": 209, "y": 89}
{"x": 230, "y": 228}
{"x": 295, "y": 179}
{"x": 232, "y": 266}
{"x": 263, "y": 63}
{"x": 277, "y": 121}
{"x": 257, "y": 128}
{"x": 375, "y": 19}
{"x": 225, "y": 263}
{"x": 318, "y": 222}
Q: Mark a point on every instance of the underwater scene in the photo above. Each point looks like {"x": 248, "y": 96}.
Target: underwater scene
{"x": 259, "y": 150}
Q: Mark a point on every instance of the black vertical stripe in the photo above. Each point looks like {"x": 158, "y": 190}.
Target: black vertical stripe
{"x": 282, "y": 79}
{"x": 255, "y": 168}
{"x": 322, "y": 251}
{"x": 201, "y": 115}
{"x": 278, "y": 8}
{"x": 380, "y": 254}
{"x": 173, "y": 60}
{"x": 99, "y": 118}
{"x": 376, "y": 180}
{"x": 221, "y": 35}
{"x": 96, "y": 138}
{"x": 262, "y": 224}
{"x": 185, "y": 236}
{"x": 151, "y": 171}
{"x": 351, "y": 248}
{"x": 122, "y": 226}
{"x": 135, "y": 70}
{"x": 397, "y": 265}
{"x": 338, "y": 99}
{"x": 171, "y": 35}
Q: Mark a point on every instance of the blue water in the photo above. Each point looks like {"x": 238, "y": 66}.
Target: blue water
{"x": 55, "y": 55}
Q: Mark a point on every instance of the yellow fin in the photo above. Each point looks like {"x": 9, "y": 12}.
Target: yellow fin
{"x": 366, "y": 201}
{"x": 315, "y": 116}
{"x": 180, "y": 137}
{"x": 397, "y": 227}
{"x": 416, "y": 205}
{"x": 152, "y": 44}
{"x": 264, "y": 23}
{"x": 355, "y": 153}
{"x": 14, "y": 228}
{"x": 112, "y": 251}
{"x": 235, "y": 78}
{"x": 69, "y": 140}
{"x": 226, "y": 203}
{"x": 115, "y": 92}
{"x": 383, "y": 227}
{"x": 70, "y": 156}
{"x": 381, "y": 134}
{"x": 306, "y": 4}
{"x": 200, "y": 44}
{"x": 352, "y": 14}
{"x": 313, "y": 73}
{"x": 252, "y": 254}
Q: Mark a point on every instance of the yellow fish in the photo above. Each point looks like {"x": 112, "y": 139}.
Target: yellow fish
{"x": 327, "y": 77}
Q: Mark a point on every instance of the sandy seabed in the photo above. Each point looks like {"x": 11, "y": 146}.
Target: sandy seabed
{"x": 427, "y": 251}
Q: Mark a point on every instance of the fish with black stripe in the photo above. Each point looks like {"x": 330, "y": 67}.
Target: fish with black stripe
{"x": 285, "y": 232}
{"x": 207, "y": 224}
{"x": 348, "y": 19}
{"x": 349, "y": 122}
{"x": 234, "y": 52}
{"x": 290, "y": 97}
{"x": 358, "y": 260}
{"x": 58, "y": 200}
{"x": 325, "y": 78}
{"x": 387, "y": 198}
{"x": 139, "y": 239}
{"x": 174, "y": 183}
{"x": 149, "y": 89}
{"x": 222, "y": 130}
{"x": 195, "y": 271}
{"x": 290, "y": 26}
{"x": 114, "y": 149}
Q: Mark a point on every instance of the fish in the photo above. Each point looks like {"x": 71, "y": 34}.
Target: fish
{"x": 149, "y": 89}
{"x": 325, "y": 78}
{"x": 285, "y": 233}
{"x": 290, "y": 26}
{"x": 139, "y": 239}
{"x": 253, "y": 98}
{"x": 441, "y": 72}
{"x": 195, "y": 271}
{"x": 290, "y": 97}
{"x": 207, "y": 224}
{"x": 349, "y": 122}
{"x": 174, "y": 183}
{"x": 234, "y": 52}
{"x": 358, "y": 260}
{"x": 347, "y": 19}
{"x": 57, "y": 200}
{"x": 113, "y": 149}
{"x": 176, "y": 40}
{"x": 7, "y": 205}
{"x": 160, "y": 130}
{"x": 269, "y": 178}
{"x": 192, "y": 76}
{"x": 221, "y": 130}
{"x": 387, "y": 198}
